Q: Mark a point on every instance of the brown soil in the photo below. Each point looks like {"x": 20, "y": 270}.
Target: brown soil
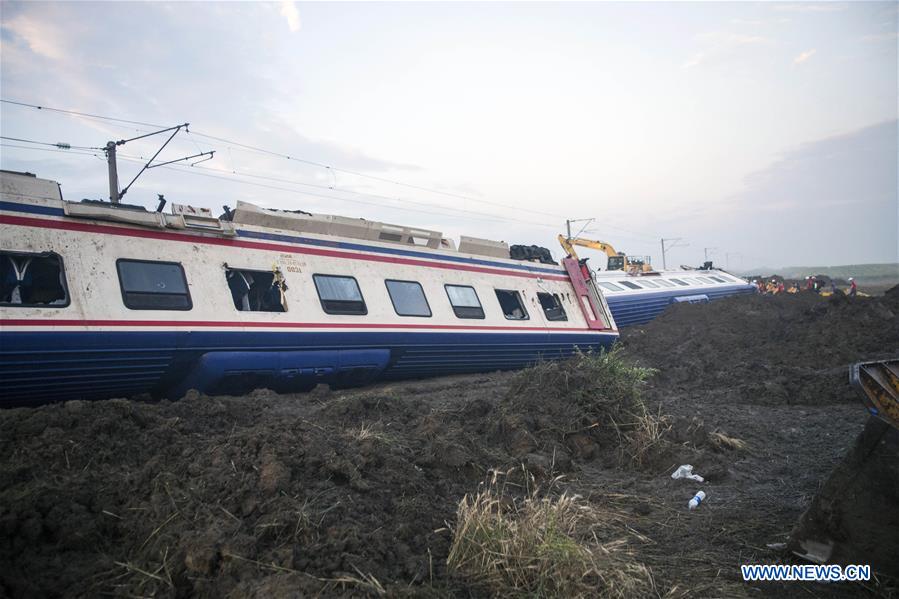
{"x": 351, "y": 492}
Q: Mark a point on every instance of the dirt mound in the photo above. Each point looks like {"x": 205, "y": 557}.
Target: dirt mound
{"x": 350, "y": 492}
{"x": 202, "y": 495}
{"x": 789, "y": 348}
{"x": 591, "y": 405}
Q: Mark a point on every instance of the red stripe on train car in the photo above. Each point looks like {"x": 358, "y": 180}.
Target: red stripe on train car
{"x": 24, "y": 322}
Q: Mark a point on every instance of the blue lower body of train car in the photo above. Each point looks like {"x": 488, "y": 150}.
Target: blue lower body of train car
{"x": 41, "y": 367}
{"x": 629, "y": 310}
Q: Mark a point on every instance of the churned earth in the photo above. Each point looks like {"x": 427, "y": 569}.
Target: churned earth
{"x": 355, "y": 492}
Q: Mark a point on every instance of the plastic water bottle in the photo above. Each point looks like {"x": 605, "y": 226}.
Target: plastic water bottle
{"x": 697, "y": 499}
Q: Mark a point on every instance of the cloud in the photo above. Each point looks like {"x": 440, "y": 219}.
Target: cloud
{"x": 290, "y": 12}
{"x": 880, "y": 37}
{"x": 695, "y": 61}
{"x": 804, "y": 56}
{"x": 41, "y": 37}
{"x": 811, "y": 7}
{"x": 720, "y": 44}
{"x": 835, "y": 198}
{"x": 760, "y": 22}
{"x": 724, "y": 38}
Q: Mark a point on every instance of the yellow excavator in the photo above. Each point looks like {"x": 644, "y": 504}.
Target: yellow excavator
{"x": 853, "y": 519}
{"x": 616, "y": 261}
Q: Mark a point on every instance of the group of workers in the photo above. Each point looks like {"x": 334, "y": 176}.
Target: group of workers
{"x": 775, "y": 286}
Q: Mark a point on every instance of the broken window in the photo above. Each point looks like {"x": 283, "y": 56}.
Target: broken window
{"x": 32, "y": 280}
{"x": 552, "y": 306}
{"x": 464, "y": 300}
{"x": 408, "y": 298}
{"x": 148, "y": 285}
{"x": 257, "y": 290}
{"x": 339, "y": 295}
{"x": 510, "y": 302}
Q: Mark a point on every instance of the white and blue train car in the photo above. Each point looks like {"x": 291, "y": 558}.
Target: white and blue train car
{"x": 100, "y": 300}
{"x": 638, "y": 298}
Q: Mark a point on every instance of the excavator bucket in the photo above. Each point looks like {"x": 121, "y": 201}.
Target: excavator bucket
{"x": 854, "y": 519}
{"x": 879, "y": 383}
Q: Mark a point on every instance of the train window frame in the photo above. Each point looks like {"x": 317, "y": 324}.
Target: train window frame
{"x": 125, "y": 294}
{"x": 563, "y": 317}
{"x": 424, "y": 296}
{"x": 363, "y": 311}
{"x": 518, "y": 297}
{"x": 467, "y": 312}
{"x": 274, "y": 274}
{"x": 64, "y": 283}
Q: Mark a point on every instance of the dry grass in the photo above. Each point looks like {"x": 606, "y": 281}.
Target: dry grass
{"x": 543, "y": 545}
{"x": 599, "y": 393}
{"x": 371, "y": 432}
{"x": 596, "y": 382}
{"x": 722, "y": 442}
{"x": 644, "y": 436}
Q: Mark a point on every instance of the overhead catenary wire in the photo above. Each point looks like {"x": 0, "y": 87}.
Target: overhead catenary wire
{"x": 84, "y": 114}
{"x": 187, "y": 169}
{"x": 59, "y": 144}
{"x": 327, "y": 167}
{"x": 73, "y": 151}
{"x": 191, "y": 170}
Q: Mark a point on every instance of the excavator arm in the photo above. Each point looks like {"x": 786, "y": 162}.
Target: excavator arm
{"x": 616, "y": 261}
{"x": 568, "y": 245}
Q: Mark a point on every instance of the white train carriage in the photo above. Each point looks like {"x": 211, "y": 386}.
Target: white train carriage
{"x": 102, "y": 300}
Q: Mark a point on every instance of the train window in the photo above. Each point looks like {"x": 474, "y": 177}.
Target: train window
{"x": 464, "y": 300}
{"x": 610, "y": 286}
{"x": 706, "y": 280}
{"x": 664, "y": 283}
{"x": 148, "y": 285}
{"x": 339, "y": 295}
{"x": 629, "y": 285}
{"x": 552, "y": 306}
{"x": 717, "y": 279}
{"x": 510, "y": 302}
{"x": 648, "y": 283}
{"x": 32, "y": 280}
{"x": 408, "y": 298}
{"x": 679, "y": 282}
{"x": 257, "y": 290}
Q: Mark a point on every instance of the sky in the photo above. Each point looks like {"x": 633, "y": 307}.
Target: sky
{"x": 759, "y": 133}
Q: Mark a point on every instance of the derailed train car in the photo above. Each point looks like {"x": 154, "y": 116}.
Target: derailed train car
{"x": 103, "y": 300}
